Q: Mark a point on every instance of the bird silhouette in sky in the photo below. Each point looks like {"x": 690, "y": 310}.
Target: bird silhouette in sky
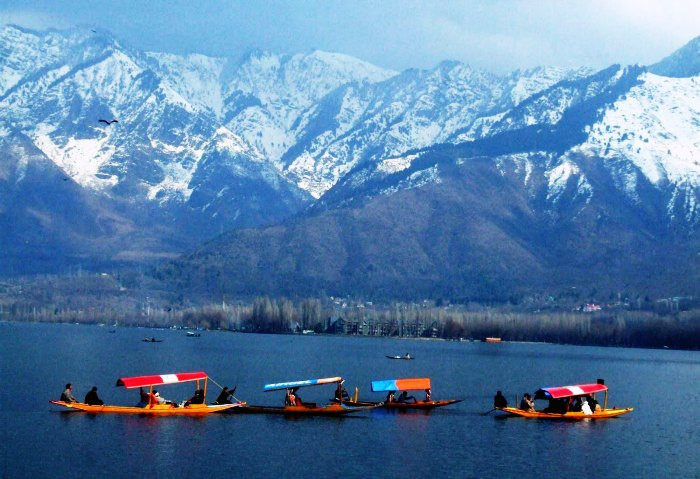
{"x": 108, "y": 122}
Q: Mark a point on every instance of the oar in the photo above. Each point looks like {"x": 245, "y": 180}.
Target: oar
{"x": 487, "y": 412}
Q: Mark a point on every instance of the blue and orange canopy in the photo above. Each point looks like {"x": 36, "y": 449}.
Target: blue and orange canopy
{"x": 569, "y": 391}
{"x": 404, "y": 384}
{"x": 157, "y": 379}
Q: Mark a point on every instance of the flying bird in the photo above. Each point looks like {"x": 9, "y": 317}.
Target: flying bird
{"x": 108, "y": 122}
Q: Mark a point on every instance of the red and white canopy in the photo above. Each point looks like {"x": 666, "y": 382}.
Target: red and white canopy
{"x": 157, "y": 379}
{"x": 568, "y": 391}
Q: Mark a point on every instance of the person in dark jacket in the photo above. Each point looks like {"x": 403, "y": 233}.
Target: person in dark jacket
{"x": 404, "y": 397}
{"x": 92, "y": 399}
{"x": 224, "y": 397}
{"x": 198, "y": 398}
{"x": 499, "y": 400}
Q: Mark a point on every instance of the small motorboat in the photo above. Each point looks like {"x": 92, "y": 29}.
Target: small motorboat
{"x": 192, "y": 334}
{"x": 405, "y": 356}
{"x": 152, "y": 340}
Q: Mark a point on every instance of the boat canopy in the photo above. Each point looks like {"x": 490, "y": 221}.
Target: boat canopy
{"x": 404, "y": 384}
{"x": 157, "y": 379}
{"x": 300, "y": 384}
{"x": 569, "y": 391}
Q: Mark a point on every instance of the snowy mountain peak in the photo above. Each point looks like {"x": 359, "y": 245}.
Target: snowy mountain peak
{"x": 684, "y": 62}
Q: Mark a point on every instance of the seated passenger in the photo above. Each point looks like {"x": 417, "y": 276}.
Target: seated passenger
{"x": 297, "y": 398}
{"x": 585, "y": 408}
{"x": 556, "y": 406}
{"x": 390, "y": 397}
{"x": 341, "y": 393}
{"x": 157, "y": 399}
{"x": 527, "y": 404}
{"x": 197, "y": 398}
{"x": 428, "y": 395}
{"x": 92, "y": 399}
{"x": 144, "y": 398}
{"x": 593, "y": 404}
{"x": 404, "y": 397}
{"x": 67, "y": 394}
{"x": 290, "y": 399}
{"x": 499, "y": 400}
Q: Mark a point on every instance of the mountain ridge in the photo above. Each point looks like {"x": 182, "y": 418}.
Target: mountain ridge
{"x": 205, "y": 145}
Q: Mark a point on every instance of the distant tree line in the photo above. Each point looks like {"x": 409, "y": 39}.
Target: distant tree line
{"x": 672, "y": 323}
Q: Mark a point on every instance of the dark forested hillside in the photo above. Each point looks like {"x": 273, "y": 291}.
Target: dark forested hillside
{"x": 470, "y": 233}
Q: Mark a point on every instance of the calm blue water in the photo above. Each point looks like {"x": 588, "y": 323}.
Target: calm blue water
{"x": 660, "y": 438}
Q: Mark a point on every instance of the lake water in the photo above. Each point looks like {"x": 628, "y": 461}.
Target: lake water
{"x": 661, "y": 438}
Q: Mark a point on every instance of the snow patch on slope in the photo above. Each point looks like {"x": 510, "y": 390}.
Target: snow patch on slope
{"x": 656, "y": 126}
{"x": 80, "y": 159}
{"x": 558, "y": 179}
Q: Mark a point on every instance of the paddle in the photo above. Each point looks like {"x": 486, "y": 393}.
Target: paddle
{"x": 487, "y": 412}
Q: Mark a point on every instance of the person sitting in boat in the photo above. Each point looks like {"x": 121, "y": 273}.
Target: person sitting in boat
{"x": 297, "y": 398}
{"x": 576, "y": 405}
{"x": 586, "y": 408}
{"x": 197, "y": 398}
{"x": 92, "y": 398}
{"x": 428, "y": 395}
{"x": 224, "y": 397}
{"x": 341, "y": 393}
{"x": 67, "y": 394}
{"x": 499, "y": 400}
{"x": 407, "y": 356}
{"x": 556, "y": 406}
{"x": 593, "y": 404}
{"x": 291, "y": 398}
{"x": 144, "y": 398}
{"x": 404, "y": 397}
{"x": 390, "y": 397}
{"x": 527, "y": 404}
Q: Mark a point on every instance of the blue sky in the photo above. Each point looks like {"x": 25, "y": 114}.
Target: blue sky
{"x": 495, "y": 35}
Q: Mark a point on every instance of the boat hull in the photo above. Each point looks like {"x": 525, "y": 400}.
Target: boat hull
{"x": 329, "y": 410}
{"x": 156, "y": 410}
{"x": 569, "y": 416}
{"x": 421, "y": 404}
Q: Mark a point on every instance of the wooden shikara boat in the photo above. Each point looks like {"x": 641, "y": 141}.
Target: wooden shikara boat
{"x": 405, "y": 356}
{"x": 310, "y": 409}
{"x": 152, "y": 408}
{"x": 409, "y": 384}
{"x": 421, "y": 404}
{"x": 303, "y": 409}
{"x": 562, "y": 400}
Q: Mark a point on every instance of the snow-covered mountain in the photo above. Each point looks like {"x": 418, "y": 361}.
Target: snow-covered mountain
{"x": 207, "y": 144}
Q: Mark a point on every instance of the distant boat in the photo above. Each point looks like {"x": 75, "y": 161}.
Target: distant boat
{"x": 405, "y": 356}
{"x": 492, "y": 340}
{"x": 192, "y": 334}
{"x": 152, "y": 340}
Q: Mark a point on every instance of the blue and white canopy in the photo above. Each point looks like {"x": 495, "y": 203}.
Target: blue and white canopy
{"x": 301, "y": 384}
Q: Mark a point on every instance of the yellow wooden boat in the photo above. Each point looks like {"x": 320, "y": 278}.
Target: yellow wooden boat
{"x": 151, "y": 406}
{"x": 564, "y": 402}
